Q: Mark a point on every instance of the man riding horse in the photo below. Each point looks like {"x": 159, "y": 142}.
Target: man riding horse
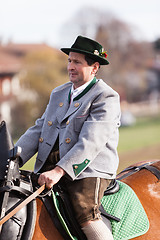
{"x": 77, "y": 137}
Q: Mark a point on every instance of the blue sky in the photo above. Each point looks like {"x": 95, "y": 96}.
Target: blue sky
{"x": 34, "y": 21}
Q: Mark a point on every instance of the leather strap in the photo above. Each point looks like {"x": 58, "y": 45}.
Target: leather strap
{"x": 22, "y": 204}
{"x": 133, "y": 169}
{"x": 153, "y": 170}
{"x": 107, "y": 215}
{"x": 15, "y": 188}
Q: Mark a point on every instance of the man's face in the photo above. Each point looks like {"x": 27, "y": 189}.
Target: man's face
{"x": 78, "y": 69}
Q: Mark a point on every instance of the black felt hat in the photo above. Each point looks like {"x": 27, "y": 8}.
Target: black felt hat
{"x": 88, "y": 47}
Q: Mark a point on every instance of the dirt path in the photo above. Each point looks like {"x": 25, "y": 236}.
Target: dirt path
{"x": 148, "y": 153}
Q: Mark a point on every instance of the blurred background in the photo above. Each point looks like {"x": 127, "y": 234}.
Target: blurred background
{"x": 31, "y": 64}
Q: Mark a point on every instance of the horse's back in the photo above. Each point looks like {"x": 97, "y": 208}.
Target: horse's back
{"x": 147, "y": 187}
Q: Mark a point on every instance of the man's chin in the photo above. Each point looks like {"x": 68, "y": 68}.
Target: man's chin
{"x": 73, "y": 79}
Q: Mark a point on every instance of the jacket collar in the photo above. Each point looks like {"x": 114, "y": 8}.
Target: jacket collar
{"x": 90, "y": 85}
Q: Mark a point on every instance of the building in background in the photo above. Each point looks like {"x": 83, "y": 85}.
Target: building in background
{"x": 11, "y": 65}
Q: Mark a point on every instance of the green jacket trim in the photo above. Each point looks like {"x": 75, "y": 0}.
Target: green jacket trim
{"x": 78, "y": 168}
{"x": 83, "y": 92}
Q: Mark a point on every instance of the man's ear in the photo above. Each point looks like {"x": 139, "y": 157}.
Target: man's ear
{"x": 96, "y": 66}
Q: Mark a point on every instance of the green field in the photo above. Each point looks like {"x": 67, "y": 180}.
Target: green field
{"x": 140, "y": 142}
{"x": 144, "y": 135}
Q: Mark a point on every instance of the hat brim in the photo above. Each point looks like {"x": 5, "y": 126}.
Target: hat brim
{"x": 101, "y": 60}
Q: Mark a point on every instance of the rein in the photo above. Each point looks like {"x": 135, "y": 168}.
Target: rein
{"x": 133, "y": 169}
{"x": 22, "y": 204}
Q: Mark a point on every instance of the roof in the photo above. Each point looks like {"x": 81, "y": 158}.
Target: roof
{"x": 11, "y": 55}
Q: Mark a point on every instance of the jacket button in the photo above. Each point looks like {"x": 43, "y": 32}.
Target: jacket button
{"x": 41, "y": 139}
{"x": 75, "y": 167}
{"x": 61, "y": 104}
{"x": 67, "y": 122}
{"x": 76, "y": 104}
{"x": 49, "y": 123}
{"x": 68, "y": 140}
{"x": 86, "y": 161}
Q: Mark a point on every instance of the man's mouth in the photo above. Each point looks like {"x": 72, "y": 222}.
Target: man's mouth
{"x": 71, "y": 74}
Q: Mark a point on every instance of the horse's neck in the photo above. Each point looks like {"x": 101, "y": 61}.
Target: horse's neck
{"x": 44, "y": 228}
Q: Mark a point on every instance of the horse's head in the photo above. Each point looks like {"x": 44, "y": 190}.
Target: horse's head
{"x": 7, "y": 150}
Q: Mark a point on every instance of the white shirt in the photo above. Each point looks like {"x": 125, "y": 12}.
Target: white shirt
{"x": 77, "y": 91}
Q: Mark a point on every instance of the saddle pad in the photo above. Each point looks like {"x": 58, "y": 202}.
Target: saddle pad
{"x": 56, "y": 204}
{"x": 125, "y": 205}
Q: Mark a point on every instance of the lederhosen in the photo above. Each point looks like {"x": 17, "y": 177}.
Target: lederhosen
{"x": 85, "y": 194}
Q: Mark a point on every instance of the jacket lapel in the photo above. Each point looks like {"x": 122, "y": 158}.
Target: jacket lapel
{"x": 74, "y": 106}
{"x": 68, "y": 109}
{"x": 62, "y": 105}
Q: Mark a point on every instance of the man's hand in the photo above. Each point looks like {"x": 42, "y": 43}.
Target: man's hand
{"x": 51, "y": 177}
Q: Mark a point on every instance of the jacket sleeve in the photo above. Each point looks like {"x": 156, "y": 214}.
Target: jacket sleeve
{"x": 29, "y": 141}
{"x": 103, "y": 120}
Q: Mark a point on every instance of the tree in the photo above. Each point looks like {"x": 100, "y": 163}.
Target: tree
{"x": 42, "y": 71}
{"x": 128, "y": 59}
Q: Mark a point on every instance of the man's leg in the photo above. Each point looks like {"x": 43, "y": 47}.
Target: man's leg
{"x": 86, "y": 195}
{"x": 97, "y": 230}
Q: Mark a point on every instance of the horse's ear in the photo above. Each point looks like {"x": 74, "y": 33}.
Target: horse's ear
{"x": 5, "y": 137}
{"x": 6, "y": 144}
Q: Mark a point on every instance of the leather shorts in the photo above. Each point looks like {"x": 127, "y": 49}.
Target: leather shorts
{"x": 85, "y": 196}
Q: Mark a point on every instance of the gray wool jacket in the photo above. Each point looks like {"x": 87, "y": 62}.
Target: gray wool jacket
{"x": 87, "y": 130}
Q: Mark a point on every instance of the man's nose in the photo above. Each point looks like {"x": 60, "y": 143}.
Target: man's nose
{"x": 71, "y": 66}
